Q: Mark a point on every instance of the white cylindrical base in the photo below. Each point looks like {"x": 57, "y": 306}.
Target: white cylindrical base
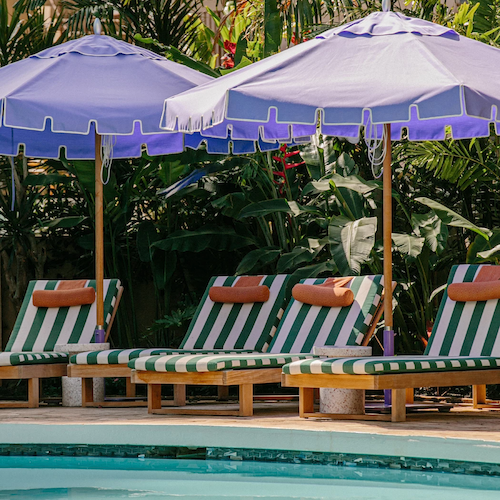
{"x": 72, "y": 391}
{"x": 343, "y": 401}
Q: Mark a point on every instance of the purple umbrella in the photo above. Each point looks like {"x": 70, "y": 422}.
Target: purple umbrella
{"x": 97, "y": 89}
{"x": 384, "y": 75}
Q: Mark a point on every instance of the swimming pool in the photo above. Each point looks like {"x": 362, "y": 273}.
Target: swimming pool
{"x": 57, "y": 478}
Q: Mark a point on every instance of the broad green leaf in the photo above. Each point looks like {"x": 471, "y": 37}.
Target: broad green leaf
{"x": 352, "y": 182}
{"x": 63, "y": 222}
{"x": 436, "y": 291}
{"x": 292, "y": 260}
{"x": 433, "y": 229}
{"x": 480, "y": 245}
{"x": 315, "y": 270}
{"x": 408, "y": 245}
{"x": 273, "y": 27}
{"x": 257, "y": 259}
{"x": 451, "y": 218}
{"x": 345, "y": 166}
{"x": 244, "y": 62}
{"x": 488, "y": 254}
{"x": 301, "y": 209}
{"x": 351, "y": 243}
{"x": 46, "y": 179}
{"x": 263, "y": 208}
{"x": 312, "y": 156}
{"x": 214, "y": 237}
{"x": 231, "y": 204}
{"x": 146, "y": 236}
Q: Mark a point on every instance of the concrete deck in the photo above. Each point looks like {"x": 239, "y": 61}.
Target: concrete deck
{"x": 463, "y": 434}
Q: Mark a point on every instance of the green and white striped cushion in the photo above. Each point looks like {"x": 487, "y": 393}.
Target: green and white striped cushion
{"x": 122, "y": 356}
{"x": 41, "y": 328}
{"x": 237, "y": 326}
{"x": 200, "y": 363}
{"x": 31, "y": 358}
{"x": 304, "y": 326}
{"x": 391, "y": 364}
{"x": 465, "y": 328}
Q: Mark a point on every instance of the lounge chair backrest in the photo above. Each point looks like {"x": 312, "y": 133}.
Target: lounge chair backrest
{"x": 237, "y": 326}
{"x": 304, "y": 326}
{"x": 41, "y": 328}
{"x": 465, "y": 328}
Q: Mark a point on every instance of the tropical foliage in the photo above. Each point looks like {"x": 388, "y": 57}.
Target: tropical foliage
{"x": 308, "y": 210}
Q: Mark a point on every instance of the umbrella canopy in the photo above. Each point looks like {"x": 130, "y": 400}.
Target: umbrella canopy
{"x": 385, "y": 68}
{"x": 64, "y": 99}
{"x": 386, "y": 72}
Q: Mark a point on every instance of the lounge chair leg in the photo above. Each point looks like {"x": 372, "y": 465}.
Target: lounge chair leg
{"x": 306, "y": 401}
{"x": 478, "y": 395}
{"x": 246, "y": 400}
{"x": 179, "y": 395}
{"x": 410, "y": 396}
{"x": 87, "y": 391}
{"x": 154, "y": 397}
{"x": 222, "y": 392}
{"x": 398, "y": 412}
{"x": 129, "y": 388}
{"x": 33, "y": 392}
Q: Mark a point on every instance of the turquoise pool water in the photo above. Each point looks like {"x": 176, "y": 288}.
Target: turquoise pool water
{"x": 58, "y": 478}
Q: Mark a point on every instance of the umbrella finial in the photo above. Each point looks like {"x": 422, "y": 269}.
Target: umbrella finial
{"x": 97, "y": 26}
{"x": 386, "y": 5}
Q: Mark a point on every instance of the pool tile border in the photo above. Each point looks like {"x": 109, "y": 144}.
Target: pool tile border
{"x": 256, "y": 455}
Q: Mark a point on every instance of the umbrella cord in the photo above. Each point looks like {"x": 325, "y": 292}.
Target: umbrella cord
{"x": 377, "y": 149}
{"x": 11, "y": 158}
{"x": 108, "y": 142}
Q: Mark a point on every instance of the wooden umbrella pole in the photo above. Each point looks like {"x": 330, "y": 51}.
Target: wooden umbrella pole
{"x": 387, "y": 198}
{"x": 99, "y": 242}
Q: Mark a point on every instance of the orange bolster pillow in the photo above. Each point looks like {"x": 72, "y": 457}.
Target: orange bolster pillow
{"x": 319, "y": 295}
{"x": 239, "y": 295}
{"x": 474, "y": 292}
{"x": 63, "y": 298}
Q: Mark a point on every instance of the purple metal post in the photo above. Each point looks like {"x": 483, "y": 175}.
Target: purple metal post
{"x": 99, "y": 335}
{"x": 388, "y": 351}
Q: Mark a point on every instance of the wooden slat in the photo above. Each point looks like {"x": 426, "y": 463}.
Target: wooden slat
{"x": 99, "y": 371}
{"x": 14, "y": 404}
{"x": 192, "y": 411}
{"x": 87, "y": 392}
{"x": 33, "y": 392}
{"x": 478, "y": 395}
{"x": 395, "y": 380}
{"x": 179, "y": 395}
{"x": 154, "y": 397}
{"x": 246, "y": 400}
{"x": 398, "y": 410}
{"x": 306, "y": 401}
{"x": 145, "y": 377}
{"x": 129, "y": 388}
{"x": 255, "y": 376}
{"x": 33, "y": 371}
{"x": 347, "y": 416}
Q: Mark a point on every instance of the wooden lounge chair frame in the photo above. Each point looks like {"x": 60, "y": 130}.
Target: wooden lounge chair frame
{"x": 244, "y": 379}
{"x": 122, "y": 370}
{"x": 35, "y": 373}
{"x": 398, "y": 383}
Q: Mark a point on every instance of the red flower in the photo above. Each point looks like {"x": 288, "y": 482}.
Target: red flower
{"x": 229, "y": 46}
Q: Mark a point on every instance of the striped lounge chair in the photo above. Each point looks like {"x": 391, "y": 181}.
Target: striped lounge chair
{"x": 463, "y": 349}
{"x": 215, "y": 328}
{"x": 29, "y": 353}
{"x": 302, "y": 327}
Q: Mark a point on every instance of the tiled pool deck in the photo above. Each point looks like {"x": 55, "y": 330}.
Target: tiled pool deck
{"x": 432, "y": 440}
